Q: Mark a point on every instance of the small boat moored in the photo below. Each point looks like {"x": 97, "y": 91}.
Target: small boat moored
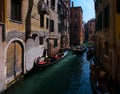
{"x": 98, "y": 79}
{"x": 90, "y": 53}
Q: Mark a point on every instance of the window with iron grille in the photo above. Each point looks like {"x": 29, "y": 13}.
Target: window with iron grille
{"x": 16, "y": 6}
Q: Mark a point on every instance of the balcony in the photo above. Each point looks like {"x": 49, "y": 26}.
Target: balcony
{"x": 43, "y": 8}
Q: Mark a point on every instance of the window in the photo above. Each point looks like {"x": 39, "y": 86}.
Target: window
{"x": 59, "y": 8}
{"x": 90, "y": 24}
{"x": 51, "y": 25}
{"x": 41, "y": 20}
{"x": 96, "y": 26}
{"x": 100, "y": 21}
{"x": 53, "y": 4}
{"x": 76, "y": 18}
{"x": 90, "y": 31}
{"x": 16, "y": 10}
{"x": 55, "y": 43}
{"x": 59, "y": 27}
{"x": 118, "y": 6}
{"x": 34, "y": 36}
{"x": 100, "y": 1}
{"x": 41, "y": 40}
{"x": 76, "y": 9}
{"x": 106, "y": 16}
{"x": 47, "y": 2}
{"x": 2, "y": 10}
{"x": 106, "y": 48}
{"x": 75, "y": 36}
{"x": 47, "y": 23}
{"x": 75, "y": 28}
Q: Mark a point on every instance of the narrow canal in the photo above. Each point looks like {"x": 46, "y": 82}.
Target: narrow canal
{"x": 69, "y": 76}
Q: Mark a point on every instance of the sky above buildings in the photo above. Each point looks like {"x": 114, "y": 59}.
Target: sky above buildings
{"x": 88, "y": 8}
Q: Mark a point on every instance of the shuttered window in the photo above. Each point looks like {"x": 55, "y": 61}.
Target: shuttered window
{"x": 106, "y": 48}
{"x": 106, "y": 16}
{"x": 118, "y": 6}
{"x": 1, "y": 10}
{"x": 16, "y": 10}
{"x": 53, "y": 4}
{"x": 59, "y": 27}
{"x": 55, "y": 43}
{"x": 47, "y": 23}
{"x": 100, "y": 21}
{"x": 41, "y": 20}
{"x": 51, "y": 25}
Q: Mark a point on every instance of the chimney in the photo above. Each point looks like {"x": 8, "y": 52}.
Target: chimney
{"x": 72, "y": 4}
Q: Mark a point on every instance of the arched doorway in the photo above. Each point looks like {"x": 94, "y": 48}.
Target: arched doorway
{"x": 14, "y": 60}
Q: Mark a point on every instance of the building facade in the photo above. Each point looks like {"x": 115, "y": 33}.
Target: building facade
{"x": 27, "y": 28}
{"x": 12, "y": 36}
{"x": 76, "y": 14}
{"x": 108, "y": 36}
{"x": 91, "y": 30}
{"x": 63, "y": 25}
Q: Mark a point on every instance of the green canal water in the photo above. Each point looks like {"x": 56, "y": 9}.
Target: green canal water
{"x": 69, "y": 76}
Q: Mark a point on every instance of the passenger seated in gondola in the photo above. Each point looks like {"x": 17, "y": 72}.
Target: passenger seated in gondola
{"x": 52, "y": 58}
{"x": 48, "y": 60}
{"x": 40, "y": 60}
{"x": 57, "y": 57}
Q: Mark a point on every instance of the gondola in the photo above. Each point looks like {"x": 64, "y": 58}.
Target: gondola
{"x": 90, "y": 53}
{"x": 50, "y": 60}
{"x": 79, "y": 50}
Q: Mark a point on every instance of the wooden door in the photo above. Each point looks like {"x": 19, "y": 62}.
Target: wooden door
{"x": 14, "y": 60}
